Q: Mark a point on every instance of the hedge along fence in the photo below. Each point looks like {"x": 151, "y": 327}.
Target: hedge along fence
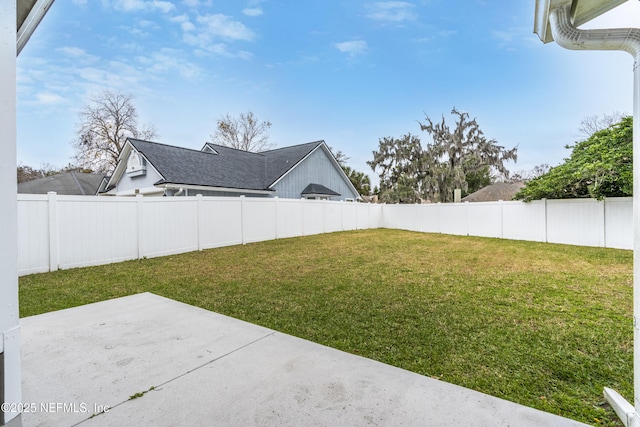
{"x": 58, "y": 232}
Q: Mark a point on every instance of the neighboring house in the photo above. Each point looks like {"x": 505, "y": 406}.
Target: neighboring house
{"x": 494, "y": 192}
{"x": 300, "y": 171}
{"x": 68, "y": 183}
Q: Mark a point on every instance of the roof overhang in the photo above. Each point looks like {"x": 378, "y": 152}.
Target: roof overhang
{"x": 29, "y": 13}
{"x": 582, "y": 11}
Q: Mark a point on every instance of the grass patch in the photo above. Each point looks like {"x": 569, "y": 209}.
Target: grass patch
{"x": 547, "y": 326}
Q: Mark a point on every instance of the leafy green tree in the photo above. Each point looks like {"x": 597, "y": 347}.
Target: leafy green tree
{"x": 601, "y": 166}
{"x": 477, "y": 179}
{"x": 360, "y": 181}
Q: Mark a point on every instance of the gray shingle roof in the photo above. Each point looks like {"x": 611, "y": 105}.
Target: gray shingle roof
{"x": 318, "y": 189}
{"x": 229, "y": 168}
{"x": 68, "y": 183}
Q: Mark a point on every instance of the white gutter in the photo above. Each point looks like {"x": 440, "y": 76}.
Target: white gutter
{"x": 29, "y": 25}
{"x": 627, "y": 40}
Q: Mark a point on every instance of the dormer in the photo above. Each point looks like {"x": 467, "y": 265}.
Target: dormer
{"x": 136, "y": 165}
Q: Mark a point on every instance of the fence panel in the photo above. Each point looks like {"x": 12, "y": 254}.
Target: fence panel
{"x": 168, "y": 225}
{"x": 220, "y": 220}
{"x": 453, "y": 218}
{"x": 289, "y": 215}
{"x": 350, "y": 216}
{"x": 312, "y": 217}
{"x": 258, "y": 219}
{"x": 94, "y": 231}
{"x": 575, "y": 222}
{"x": 33, "y": 234}
{"x": 375, "y": 215}
{"x": 618, "y": 222}
{"x": 484, "y": 219}
{"x": 332, "y": 216}
{"x": 524, "y": 221}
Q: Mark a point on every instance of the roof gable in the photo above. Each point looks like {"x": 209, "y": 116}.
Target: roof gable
{"x": 282, "y": 160}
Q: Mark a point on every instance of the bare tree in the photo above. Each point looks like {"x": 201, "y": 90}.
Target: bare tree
{"x": 105, "y": 124}
{"x": 528, "y": 175}
{"x": 243, "y": 133}
{"x": 592, "y": 124}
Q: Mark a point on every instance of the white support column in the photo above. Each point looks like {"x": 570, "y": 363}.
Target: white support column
{"x": 10, "y": 389}
{"x": 636, "y": 238}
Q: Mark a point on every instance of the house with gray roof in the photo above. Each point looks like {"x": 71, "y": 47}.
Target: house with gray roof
{"x": 300, "y": 171}
{"x": 68, "y": 183}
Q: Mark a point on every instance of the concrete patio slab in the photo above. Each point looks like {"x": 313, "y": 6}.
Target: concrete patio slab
{"x": 190, "y": 366}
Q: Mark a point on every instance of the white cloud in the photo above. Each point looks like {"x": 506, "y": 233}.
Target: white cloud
{"x": 252, "y": 11}
{"x": 219, "y": 25}
{"x": 180, "y": 18}
{"x": 354, "y": 47}
{"x": 76, "y": 54}
{"x": 147, "y": 5}
{"x": 48, "y": 98}
{"x": 166, "y": 61}
{"x": 148, "y": 24}
{"x": 191, "y": 3}
{"x": 72, "y": 51}
{"x": 187, "y": 26}
{"x": 446, "y": 33}
{"x": 391, "y": 11}
{"x": 503, "y": 36}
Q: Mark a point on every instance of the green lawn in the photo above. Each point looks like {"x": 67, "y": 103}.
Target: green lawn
{"x": 544, "y": 325}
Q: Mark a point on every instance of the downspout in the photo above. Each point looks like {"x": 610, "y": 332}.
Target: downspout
{"x": 628, "y": 40}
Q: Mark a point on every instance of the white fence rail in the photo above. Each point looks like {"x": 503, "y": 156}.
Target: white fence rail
{"x": 59, "y": 232}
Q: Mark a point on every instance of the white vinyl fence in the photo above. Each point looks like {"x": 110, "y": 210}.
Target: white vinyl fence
{"x": 583, "y": 222}
{"x": 59, "y": 232}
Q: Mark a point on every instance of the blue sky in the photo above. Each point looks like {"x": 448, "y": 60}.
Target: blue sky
{"x": 345, "y": 71}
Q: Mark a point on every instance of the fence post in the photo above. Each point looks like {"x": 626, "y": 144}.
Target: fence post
{"x": 501, "y": 219}
{"x": 546, "y": 223}
{"x": 604, "y": 223}
{"x": 54, "y": 256}
{"x": 303, "y": 201}
{"x": 200, "y": 219}
{"x": 242, "y": 218}
{"x": 139, "y": 198}
{"x": 466, "y": 208}
{"x": 324, "y": 216}
{"x": 275, "y": 214}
